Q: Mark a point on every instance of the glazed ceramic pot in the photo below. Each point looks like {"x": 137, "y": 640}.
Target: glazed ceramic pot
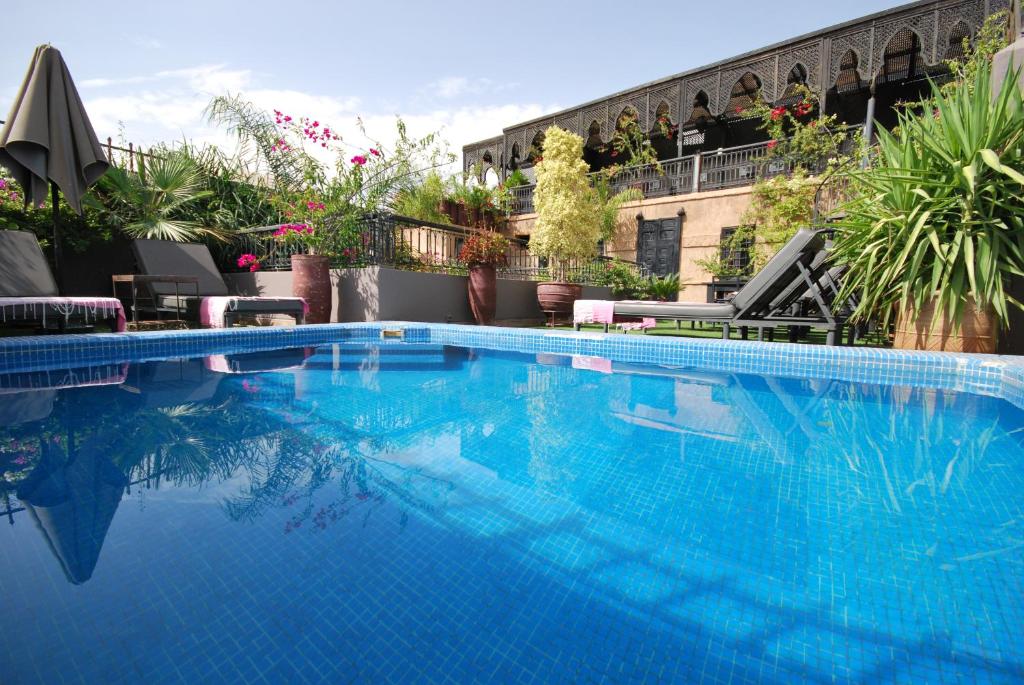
{"x": 311, "y": 280}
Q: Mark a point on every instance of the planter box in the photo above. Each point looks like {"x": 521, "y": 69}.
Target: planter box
{"x": 378, "y": 293}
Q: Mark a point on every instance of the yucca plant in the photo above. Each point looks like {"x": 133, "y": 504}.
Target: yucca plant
{"x": 938, "y": 218}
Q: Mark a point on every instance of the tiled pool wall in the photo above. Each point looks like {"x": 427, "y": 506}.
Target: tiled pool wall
{"x": 985, "y": 374}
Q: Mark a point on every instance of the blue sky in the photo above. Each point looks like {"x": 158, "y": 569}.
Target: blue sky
{"x": 468, "y": 68}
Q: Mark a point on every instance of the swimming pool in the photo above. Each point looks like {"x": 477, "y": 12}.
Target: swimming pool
{"x": 466, "y": 505}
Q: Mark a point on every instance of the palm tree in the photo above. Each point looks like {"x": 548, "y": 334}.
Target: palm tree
{"x": 152, "y": 202}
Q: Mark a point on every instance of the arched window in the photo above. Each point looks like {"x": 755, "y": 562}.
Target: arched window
{"x": 958, "y": 35}
{"x": 662, "y": 119}
{"x": 513, "y": 157}
{"x": 902, "y": 58}
{"x": 627, "y": 117}
{"x": 700, "y": 112}
{"x": 536, "y": 147}
{"x": 491, "y": 179}
{"x": 794, "y": 81}
{"x": 744, "y": 93}
{"x": 849, "y": 79}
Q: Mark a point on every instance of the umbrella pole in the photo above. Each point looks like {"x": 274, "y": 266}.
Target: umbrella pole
{"x": 56, "y": 238}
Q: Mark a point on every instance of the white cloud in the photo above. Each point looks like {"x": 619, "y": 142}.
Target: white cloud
{"x": 169, "y": 105}
{"x": 455, "y": 86}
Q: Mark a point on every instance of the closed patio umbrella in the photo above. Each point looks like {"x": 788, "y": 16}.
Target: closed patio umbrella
{"x": 47, "y": 141}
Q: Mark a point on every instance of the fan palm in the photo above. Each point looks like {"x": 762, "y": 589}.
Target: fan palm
{"x": 152, "y": 202}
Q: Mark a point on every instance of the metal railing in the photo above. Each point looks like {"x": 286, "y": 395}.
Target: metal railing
{"x": 719, "y": 169}
{"x": 400, "y": 242}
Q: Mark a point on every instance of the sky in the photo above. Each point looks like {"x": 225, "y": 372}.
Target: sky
{"x": 146, "y": 71}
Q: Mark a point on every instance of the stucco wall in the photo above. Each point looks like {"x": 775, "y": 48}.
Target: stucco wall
{"x": 383, "y": 294}
{"x": 706, "y": 215}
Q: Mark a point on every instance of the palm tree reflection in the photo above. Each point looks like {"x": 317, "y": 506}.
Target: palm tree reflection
{"x": 177, "y": 423}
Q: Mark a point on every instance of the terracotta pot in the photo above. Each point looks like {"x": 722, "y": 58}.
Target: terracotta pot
{"x": 932, "y": 330}
{"x": 558, "y": 297}
{"x": 483, "y": 293}
{"x": 311, "y": 279}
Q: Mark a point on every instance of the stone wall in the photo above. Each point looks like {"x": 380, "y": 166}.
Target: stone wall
{"x": 706, "y": 214}
{"x": 382, "y": 294}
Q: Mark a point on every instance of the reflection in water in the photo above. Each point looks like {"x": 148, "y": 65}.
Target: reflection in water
{"x": 756, "y": 515}
{"x": 68, "y": 456}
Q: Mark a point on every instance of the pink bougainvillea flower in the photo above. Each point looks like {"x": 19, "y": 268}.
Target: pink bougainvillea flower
{"x": 375, "y": 152}
{"x": 287, "y": 118}
{"x": 3, "y": 184}
{"x": 316, "y": 124}
{"x": 359, "y": 160}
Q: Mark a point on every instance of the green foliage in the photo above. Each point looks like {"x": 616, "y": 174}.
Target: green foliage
{"x": 567, "y": 227}
{"x": 631, "y": 143}
{"x": 941, "y": 212}
{"x": 238, "y": 198}
{"x": 664, "y": 288}
{"x": 798, "y": 137}
{"x": 722, "y": 265}
{"x": 609, "y": 203}
{"x": 485, "y": 248}
{"x": 625, "y": 281}
{"x": 77, "y": 232}
{"x": 423, "y": 200}
{"x": 154, "y": 201}
{"x": 289, "y": 169}
{"x": 516, "y": 178}
{"x": 991, "y": 38}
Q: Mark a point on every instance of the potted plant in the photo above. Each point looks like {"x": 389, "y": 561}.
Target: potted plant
{"x": 483, "y": 252}
{"x": 568, "y": 225}
{"x": 311, "y": 272}
{"x": 936, "y": 227}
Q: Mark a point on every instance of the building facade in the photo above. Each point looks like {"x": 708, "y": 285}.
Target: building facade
{"x": 706, "y": 169}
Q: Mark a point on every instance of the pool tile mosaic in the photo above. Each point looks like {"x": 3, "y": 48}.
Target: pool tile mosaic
{"x": 482, "y": 506}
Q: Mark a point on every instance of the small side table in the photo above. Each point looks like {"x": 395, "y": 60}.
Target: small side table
{"x": 135, "y": 280}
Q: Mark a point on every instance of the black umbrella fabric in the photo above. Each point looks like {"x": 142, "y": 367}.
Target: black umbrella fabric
{"x": 47, "y": 142}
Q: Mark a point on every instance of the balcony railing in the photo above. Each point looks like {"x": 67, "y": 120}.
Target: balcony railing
{"x": 403, "y": 243}
{"x": 725, "y": 168}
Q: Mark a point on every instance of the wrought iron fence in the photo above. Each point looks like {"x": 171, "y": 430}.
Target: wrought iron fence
{"x": 399, "y": 242}
{"x": 725, "y": 168}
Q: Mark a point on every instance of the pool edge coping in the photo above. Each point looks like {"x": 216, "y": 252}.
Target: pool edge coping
{"x": 998, "y": 375}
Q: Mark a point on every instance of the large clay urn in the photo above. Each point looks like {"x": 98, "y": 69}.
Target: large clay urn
{"x": 311, "y": 280}
{"x": 931, "y": 329}
{"x": 558, "y": 298}
{"x": 483, "y": 293}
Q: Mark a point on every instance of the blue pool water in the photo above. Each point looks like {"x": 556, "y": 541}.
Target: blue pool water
{"x": 425, "y": 513}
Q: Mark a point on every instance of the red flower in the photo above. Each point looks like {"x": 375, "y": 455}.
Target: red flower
{"x": 359, "y": 160}
{"x": 771, "y": 144}
{"x": 375, "y": 152}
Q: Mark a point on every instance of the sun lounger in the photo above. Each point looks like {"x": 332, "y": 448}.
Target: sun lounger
{"x": 28, "y": 291}
{"x": 214, "y": 306}
{"x": 798, "y": 271}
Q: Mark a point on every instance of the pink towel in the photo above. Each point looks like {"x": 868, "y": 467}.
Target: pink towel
{"x": 211, "y": 309}
{"x": 646, "y": 322}
{"x": 593, "y": 311}
{"x": 599, "y": 364}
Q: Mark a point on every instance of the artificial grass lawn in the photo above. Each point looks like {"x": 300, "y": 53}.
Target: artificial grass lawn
{"x": 815, "y": 336}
